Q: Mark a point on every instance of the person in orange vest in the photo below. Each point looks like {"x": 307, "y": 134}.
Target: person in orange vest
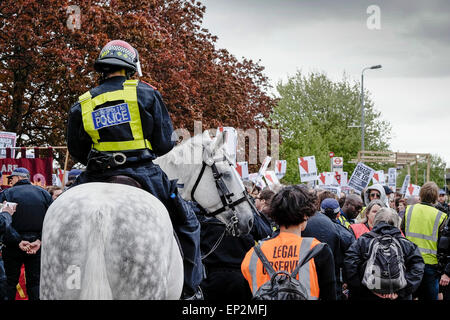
{"x": 366, "y": 223}
{"x": 290, "y": 209}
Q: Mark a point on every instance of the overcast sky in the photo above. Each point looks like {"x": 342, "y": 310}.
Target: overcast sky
{"x": 412, "y": 90}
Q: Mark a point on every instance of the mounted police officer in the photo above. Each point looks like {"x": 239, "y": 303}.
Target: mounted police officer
{"x": 117, "y": 129}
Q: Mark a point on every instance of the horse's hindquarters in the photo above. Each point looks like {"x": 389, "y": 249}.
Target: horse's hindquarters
{"x": 109, "y": 241}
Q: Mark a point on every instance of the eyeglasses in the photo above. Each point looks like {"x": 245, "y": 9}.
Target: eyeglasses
{"x": 373, "y": 195}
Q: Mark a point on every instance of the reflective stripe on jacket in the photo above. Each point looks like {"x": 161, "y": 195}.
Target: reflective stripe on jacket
{"x": 283, "y": 252}
{"x": 343, "y": 221}
{"x": 422, "y": 228}
{"x": 117, "y": 114}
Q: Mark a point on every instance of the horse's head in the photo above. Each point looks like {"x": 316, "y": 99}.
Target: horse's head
{"x": 219, "y": 188}
{"x": 211, "y": 180}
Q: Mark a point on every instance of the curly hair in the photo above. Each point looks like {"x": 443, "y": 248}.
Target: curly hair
{"x": 292, "y": 206}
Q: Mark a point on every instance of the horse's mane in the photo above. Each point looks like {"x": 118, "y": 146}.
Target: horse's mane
{"x": 185, "y": 150}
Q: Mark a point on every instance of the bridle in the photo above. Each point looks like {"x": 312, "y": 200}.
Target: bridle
{"x": 224, "y": 193}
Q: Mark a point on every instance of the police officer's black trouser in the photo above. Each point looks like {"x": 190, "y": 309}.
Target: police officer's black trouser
{"x": 14, "y": 258}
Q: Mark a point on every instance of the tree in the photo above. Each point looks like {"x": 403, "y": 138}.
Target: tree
{"x": 46, "y": 65}
{"x": 315, "y": 115}
{"x": 437, "y": 172}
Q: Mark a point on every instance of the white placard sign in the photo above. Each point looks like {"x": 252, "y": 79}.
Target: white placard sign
{"x": 412, "y": 190}
{"x": 405, "y": 184}
{"x": 392, "y": 178}
{"x": 242, "y": 169}
{"x": 230, "y": 144}
{"x": 308, "y": 168}
{"x": 361, "y": 177}
{"x": 378, "y": 177}
{"x": 280, "y": 168}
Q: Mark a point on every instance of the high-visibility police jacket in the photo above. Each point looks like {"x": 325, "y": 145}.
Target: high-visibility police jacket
{"x": 119, "y": 115}
{"x": 343, "y": 221}
{"x": 283, "y": 253}
{"x": 422, "y": 224}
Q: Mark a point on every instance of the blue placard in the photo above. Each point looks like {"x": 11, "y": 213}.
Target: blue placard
{"x": 111, "y": 116}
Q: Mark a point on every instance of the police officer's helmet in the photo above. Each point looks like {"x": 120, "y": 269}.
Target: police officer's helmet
{"x": 118, "y": 54}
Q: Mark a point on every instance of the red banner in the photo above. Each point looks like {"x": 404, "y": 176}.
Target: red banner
{"x": 40, "y": 169}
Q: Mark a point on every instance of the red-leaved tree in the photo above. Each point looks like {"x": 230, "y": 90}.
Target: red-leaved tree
{"x": 47, "y": 51}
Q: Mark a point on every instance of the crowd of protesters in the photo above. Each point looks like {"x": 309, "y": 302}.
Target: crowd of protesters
{"x": 286, "y": 217}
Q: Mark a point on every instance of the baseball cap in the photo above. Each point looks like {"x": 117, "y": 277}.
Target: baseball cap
{"x": 330, "y": 203}
{"x": 73, "y": 174}
{"x": 441, "y": 191}
{"x": 20, "y": 172}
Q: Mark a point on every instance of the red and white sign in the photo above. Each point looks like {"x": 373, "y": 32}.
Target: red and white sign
{"x": 242, "y": 169}
{"x": 337, "y": 164}
{"x": 280, "y": 168}
{"x": 7, "y": 140}
{"x": 40, "y": 169}
{"x": 412, "y": 190}
{"x": 257, "y": 179}
{"x": 308, "y": 168}
{"x": 378, "y": 177}
{"x": 264, "y": 166}
{"x": 331, "y": 154}
{"x": 326, "y": 178}
{"x": 271, "y": 178}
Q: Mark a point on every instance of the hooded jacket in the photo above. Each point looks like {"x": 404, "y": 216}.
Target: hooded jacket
{"x": 357, "y": 255}
{"x": 380, "y": 189}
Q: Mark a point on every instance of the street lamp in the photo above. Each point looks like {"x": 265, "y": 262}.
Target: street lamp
{"x": 362, "y": 102}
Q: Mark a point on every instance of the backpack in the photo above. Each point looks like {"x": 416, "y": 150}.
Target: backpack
{"x": 282, "y": 285}
{"x": 385, "y": 268}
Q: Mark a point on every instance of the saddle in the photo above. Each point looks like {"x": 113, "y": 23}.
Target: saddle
{"x": 124, "y": 180}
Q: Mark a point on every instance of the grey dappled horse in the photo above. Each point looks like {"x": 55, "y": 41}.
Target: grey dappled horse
{"x": 113, "y": 241}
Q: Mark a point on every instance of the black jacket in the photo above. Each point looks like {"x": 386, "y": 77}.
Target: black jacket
{"x": 335, "y": 235}
{"x": 155, "y": 119}
{"x": 232, "y": 250}
{"x": 357, "y": 255}
{"x": 32, "y": 204}
{"x": 5, "y": 221}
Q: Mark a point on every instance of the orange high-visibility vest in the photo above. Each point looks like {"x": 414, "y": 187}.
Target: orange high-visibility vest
{"x": 283, "y": 253}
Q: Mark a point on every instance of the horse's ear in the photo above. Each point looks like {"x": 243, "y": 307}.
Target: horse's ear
{"x": 218, "y": 142}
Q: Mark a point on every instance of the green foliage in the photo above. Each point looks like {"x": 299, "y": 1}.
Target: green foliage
{"x": 314, "y": 115}
{"x": 437, "y": 167}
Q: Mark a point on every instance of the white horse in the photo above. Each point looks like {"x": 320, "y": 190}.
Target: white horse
{"x": 114, "y": 241}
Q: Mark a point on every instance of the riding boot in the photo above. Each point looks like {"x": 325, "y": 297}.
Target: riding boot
{"x": 198, "y": 295}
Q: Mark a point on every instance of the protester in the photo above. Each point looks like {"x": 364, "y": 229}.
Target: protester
{"x": 23, "y": 242}
{"x": 290, "y": 209}
{"x": 442, "y": 202}
{"x": 5, "y": 222}
{"x": 400, "y": 204}
{"x": 54, "y": 191}
{"x": 335, "y": 235}
{"x": 423, "y": 225}
{"x": 386, "y": 222}
{"x": 262, "y": 203}
{"x": 351, "y": 209}
{"x": 223, "y": 277}
{"x": 128, "y": 149}
{"x": 366, "y": 224}
{"x": 444, "y": 261}
{"x": 373, "y": 192}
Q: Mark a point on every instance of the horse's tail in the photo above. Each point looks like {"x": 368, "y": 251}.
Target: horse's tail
{"x": 95, "y": 284}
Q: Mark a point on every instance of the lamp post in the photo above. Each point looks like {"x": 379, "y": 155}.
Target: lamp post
{"x": 362, "y": 102}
